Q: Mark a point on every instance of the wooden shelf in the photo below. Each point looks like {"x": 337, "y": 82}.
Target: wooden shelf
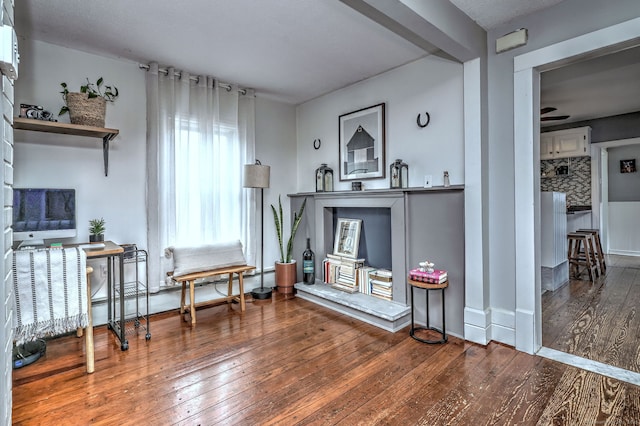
{"x": 105, "y": 134}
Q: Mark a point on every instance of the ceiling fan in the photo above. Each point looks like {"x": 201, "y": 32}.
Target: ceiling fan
{"x": 547, "y": 110}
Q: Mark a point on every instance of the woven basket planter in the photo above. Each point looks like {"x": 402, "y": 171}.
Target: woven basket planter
{"x": 85, "y": 111}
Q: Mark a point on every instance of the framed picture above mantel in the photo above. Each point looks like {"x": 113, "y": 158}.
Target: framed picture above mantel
{"x": 362, "y": 143}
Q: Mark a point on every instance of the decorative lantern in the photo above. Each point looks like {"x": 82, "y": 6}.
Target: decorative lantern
{"x": 324, "y": 178}
{"x": 399, "y": 174}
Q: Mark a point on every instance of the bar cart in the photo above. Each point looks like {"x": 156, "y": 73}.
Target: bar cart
{"x": 129, "y": 306}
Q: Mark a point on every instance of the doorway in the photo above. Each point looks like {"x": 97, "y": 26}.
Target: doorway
{"x": 597, "y": 320}
{"x": 527, "y": 68}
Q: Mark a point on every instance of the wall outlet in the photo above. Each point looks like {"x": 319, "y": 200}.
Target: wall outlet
{"x": 103, "y": 270}
{"x": 428, "y": 181}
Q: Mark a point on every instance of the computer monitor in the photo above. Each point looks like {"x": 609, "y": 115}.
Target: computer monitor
{"x": 42, "y": 214}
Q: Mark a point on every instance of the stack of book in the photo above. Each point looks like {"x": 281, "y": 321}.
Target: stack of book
{"x": 437, "y": 276}
{"x": 342, "y": 272}
{"x": 364, "y": 285}
{"x": 381, "y": 282}
{"x": 331, "y": 267}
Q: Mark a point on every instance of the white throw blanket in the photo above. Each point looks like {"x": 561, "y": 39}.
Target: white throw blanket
{"x": 50, "y": 292}
{"x": 205, "y": 257}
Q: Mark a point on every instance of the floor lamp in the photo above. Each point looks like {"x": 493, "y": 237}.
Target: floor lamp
{"x": 257, "y": 176}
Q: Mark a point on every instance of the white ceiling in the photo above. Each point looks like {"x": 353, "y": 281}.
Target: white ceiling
{"x": 492, "y": 13}
{"x": 600, "y": 87}
{"x": 289, "y": 50}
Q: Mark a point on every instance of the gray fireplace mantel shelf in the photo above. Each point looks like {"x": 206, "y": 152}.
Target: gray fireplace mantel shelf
{"x": 377, "y": 192}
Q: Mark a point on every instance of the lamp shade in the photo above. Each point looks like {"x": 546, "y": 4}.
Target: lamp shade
{"x": 256, "y": 176}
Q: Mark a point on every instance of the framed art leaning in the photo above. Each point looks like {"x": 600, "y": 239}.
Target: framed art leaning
{"x": 362, "y": 143}
{"x": 347, "y": 240}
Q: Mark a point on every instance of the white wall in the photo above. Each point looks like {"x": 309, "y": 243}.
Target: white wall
{"x": 624, "y": 232}
{"x": 431, "y": 85}
{"x": 58, "y": 161}
{"x": 73, "y": 162}
{"x": 276, "y": 147}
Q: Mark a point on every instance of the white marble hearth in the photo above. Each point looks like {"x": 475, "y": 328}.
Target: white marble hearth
{"x": 387, "y": 315}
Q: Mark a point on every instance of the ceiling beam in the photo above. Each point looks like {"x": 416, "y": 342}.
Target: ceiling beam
{"x": 436, "y": 26}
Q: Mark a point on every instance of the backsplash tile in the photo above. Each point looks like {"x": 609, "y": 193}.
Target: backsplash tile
{"x": 577, "y": 184}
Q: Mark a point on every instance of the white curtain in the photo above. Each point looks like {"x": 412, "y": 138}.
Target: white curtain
{"x": 199, "y": 136}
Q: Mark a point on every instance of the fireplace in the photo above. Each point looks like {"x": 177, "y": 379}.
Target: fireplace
{"x": 375, "y": 233}
{"x": 400, "y": 228}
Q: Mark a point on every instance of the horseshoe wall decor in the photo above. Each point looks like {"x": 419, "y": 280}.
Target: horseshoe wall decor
{"x": 317, "y": 143}
{"x": 426, "y": 123}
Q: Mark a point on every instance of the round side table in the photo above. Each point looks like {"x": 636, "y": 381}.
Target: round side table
{"x": 428, "y": 287}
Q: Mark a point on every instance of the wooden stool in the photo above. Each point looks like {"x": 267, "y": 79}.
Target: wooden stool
{"x": 592, "y": 252}
{"x": 428, "y": 287}
{"x": 598, "y": 245}
{"x": 581, "y": 253}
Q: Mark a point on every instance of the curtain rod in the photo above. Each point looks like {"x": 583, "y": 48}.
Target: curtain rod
{"x": 192, "y": 78}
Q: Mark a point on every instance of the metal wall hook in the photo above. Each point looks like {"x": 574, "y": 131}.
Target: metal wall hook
{"x": 317, "y": 143}
{"x": 418, "y": 121}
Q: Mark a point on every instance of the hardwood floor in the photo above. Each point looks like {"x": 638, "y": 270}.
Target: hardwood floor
{"x": 598, "y": 321}
{"x": 293, "y": 362}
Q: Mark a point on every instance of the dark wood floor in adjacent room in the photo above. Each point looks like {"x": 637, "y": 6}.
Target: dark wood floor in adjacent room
{"x": 292, "y": 362}
{"x": 600, "y": 320}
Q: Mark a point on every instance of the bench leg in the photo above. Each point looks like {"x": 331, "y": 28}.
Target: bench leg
{"x": 241, "y": 288}
{"x": 184, "y": 285}
{"x": 193, "y": 301}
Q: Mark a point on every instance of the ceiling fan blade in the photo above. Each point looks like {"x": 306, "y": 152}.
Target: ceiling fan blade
{"x": 555, "y": 118}
{"x": 547, "y": 110}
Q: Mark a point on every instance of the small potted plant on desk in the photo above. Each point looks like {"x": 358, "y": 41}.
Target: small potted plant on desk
{"x": 96, "y": 230}
{"x": 286, "y": 267}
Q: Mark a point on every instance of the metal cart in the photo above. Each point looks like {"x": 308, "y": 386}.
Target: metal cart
{"x": 130, "y": 313}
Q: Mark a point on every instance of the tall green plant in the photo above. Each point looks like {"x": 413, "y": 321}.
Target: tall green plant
{"x": 278, "y": 218}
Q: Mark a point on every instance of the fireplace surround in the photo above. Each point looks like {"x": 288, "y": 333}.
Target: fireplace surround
{"x": 425, "y": 223}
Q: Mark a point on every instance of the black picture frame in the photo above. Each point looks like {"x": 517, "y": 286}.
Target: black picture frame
{"x": 362, "y": 143}
{"x": 628, "y": 166}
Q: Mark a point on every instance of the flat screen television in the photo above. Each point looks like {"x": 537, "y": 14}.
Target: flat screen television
{"x": 42, "y": 214}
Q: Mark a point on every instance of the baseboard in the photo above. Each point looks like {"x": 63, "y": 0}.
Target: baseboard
{"x": 477, "y": 325}
{"x": 625, "y": 252}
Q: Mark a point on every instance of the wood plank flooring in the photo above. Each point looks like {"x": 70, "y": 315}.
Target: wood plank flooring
{"x": 289, "y": 361}
{"x": 598, "y": 321}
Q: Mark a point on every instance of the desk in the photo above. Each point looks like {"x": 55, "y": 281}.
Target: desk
{"x": 113, "y": 252}
{"x": 428, "y": 287}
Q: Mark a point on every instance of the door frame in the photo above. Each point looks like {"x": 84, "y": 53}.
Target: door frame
{"x": 527, "y": 68}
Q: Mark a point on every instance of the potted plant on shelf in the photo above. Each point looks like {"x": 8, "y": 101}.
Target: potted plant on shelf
{"x": 89, "y": 106}
{"x": 96, "y": 230}
{"x": 286, "y": 266}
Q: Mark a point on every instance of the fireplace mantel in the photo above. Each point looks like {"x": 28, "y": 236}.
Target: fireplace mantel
{"x": 377, "y": 192}
{"x": 425, "y": 223}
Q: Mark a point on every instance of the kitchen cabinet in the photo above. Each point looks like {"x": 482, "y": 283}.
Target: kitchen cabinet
{"x": 565, "y": 143}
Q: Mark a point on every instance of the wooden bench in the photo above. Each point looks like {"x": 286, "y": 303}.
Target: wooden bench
{"x": 192, "y": 277}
